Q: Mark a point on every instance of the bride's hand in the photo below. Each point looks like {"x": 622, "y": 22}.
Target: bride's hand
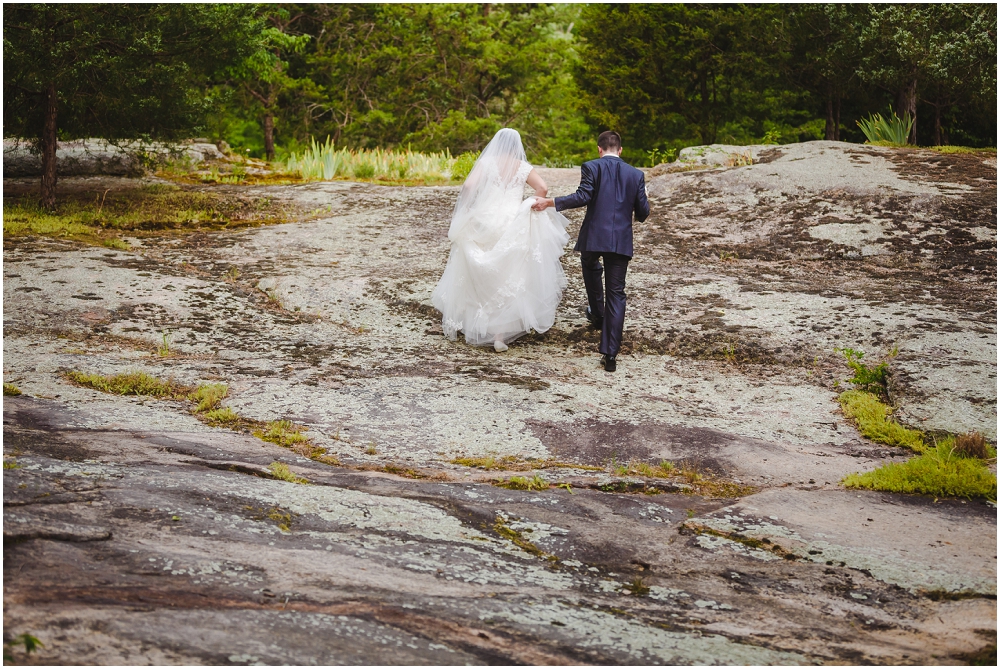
{"x": 543, "y": 203}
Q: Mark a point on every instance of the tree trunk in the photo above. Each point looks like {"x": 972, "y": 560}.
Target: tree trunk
{"x": 486, "y": 8}
{"x": 48, "y": 199}
{"x": 937, "y": 125}
{"x": 831, "y": 130}
{"x": 836, "y": 119}
{"x": 269, "y": 135}
{"x": 906, "y": 103}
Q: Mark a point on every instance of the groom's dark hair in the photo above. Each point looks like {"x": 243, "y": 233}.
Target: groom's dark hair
{"x": 609, "y": 140}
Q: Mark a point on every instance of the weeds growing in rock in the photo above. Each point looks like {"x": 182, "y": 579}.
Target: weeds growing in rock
{"x": 281, "y": 471}
{"x": 221, "y": 417}
{"x": 30, "y": 643}
{"x": 208, "y": 396}
{"x": 164, "y": 349}
{"x": 10, "y": 389}
{"x": 973, "y": 445}
{"x": 873, "y": 421}
{"x": 281, "y": 432}
{"x": 873, "y": 380}
{"x": 510, "y": 463}
{"x": 119, "y": 244}
{"x": 501, "y": 527}
{"x": 90, "y": 217}
{"x": 942, "y": 471}
{"x": 129, "y": 383}
{"x": 637, "y": 587}
{"x": 523, "y": 483}
{"x": 10, "y": 464}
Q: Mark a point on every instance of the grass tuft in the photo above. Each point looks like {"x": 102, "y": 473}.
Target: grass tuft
{"x": 523, "y": 483}
{"x": 510, "y": 463}
{"x": 128, "y": 383}
{"x": 637, "y": 587}
{"x": 280, "y": 470}
{"x": 972, "y": 445}
{"x": 220, "y": 417}
{"x": 10, "y": 464}
{"x": 941, "y": 471}
{"x": 872, "y": 419}
{"x": 10, "y": 389}
{"x": 208, "y": 396}
{"x": 120, "y": 244}
{"x": 281, "y": 432}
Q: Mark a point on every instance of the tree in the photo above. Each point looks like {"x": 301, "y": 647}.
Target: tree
{"x": 115, "y": 71}
{"x": 432, "y": 75}
{"x": 685, "y": 71}
{"x": 909, "y": 46}
{"x": 263, "y": 77}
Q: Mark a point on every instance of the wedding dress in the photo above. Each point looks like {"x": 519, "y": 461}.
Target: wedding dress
{"x": 503, "y": 277}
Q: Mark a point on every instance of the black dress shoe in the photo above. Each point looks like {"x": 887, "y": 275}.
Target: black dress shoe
{"x": 598, "y": 323}
{"x": 610, "y": 362}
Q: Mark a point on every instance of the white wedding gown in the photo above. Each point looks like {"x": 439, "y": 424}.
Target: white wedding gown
{"x": 503, "y": 277}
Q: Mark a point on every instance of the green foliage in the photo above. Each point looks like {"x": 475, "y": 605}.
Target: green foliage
{"x": 940, "y": 471}
{"x": 10, "y": 463}
{"x": 536, "y": 482}
{"x": 893, "y": 131}
{"x": 874, "y": 380}
{"x": 325, "y": 161}
{"x": 137, "y": 211}
{"x": 30, "y": 643}
{"x": 118, "y": 244}
{"x": 208, "y": 396}
{"x": 11, "y": 389}
{"x": 221, "y": 417}
{"x": 463, "y": 165}
{"x": 281, "y": 471}
{"x": 281, "y": 432}
{"x": 128, "y": 383}
{"x": 872, "y": 419}
{"x": 120, "y": 70}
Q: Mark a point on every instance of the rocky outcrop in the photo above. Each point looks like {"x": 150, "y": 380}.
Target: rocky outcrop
{"x": 90, "y": 157}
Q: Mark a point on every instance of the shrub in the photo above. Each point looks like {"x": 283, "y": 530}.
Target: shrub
{"x": 874, "y": 380}
{"x": 463, "y": 165}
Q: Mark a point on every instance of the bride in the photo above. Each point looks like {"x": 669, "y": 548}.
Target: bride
{"x": 503, "y": 276}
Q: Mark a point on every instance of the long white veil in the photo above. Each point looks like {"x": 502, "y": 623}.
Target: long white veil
{"x": 493, "y": 174}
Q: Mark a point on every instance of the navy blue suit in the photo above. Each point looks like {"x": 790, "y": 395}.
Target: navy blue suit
{"x": 612, "y": 190}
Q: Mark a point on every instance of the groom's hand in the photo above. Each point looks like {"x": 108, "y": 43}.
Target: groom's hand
{"x": 543, "y": 203}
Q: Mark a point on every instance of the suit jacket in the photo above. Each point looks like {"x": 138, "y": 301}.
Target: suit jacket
{"x": 612, "y": 190}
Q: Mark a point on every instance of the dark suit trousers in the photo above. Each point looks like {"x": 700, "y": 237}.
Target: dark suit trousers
{"x": 608, "y": 305}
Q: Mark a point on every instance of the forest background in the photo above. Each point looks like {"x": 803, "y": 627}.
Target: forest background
{"x": 268, "y": 79}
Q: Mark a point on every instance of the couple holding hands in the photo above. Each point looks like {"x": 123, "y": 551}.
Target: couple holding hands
{"x": 504, "y": 277}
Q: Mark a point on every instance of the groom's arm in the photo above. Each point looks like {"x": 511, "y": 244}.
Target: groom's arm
{"x": 641, "y": 205}
{"x": 583, "y": 195}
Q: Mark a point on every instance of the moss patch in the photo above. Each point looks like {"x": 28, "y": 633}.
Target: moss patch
{"x": 101, "y": 216}
{"x": 209, "y": 395}
{"x": 10, "y": 389}
{"x": 941, "y": 471}
{"x": 872, "y": 418}
{"x": 522, "y": 483}
{"x": 129, "y": 383}
{"x": 281, "y": 432}
{"x": 281, "y": 472}
{"x": 514, "y": 464}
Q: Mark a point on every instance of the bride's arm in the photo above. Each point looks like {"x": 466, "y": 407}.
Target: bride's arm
{"x": 536, "y": 182}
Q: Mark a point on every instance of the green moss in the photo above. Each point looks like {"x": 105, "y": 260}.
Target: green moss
{"x": 510, "y": 463}
{"x": 947, "y": 148}
{"x": 209, "y": 395}
{"x": 940, "y": 471}
{"x": 11, "y": 389}
{"x": 282, "y": 432}
{"x": 129, "y": 383}
{"x": 872, "y": 418}
{"x": 120, "y": 244}
{"x": 523, "y": 483}
{"x": 223, "y": 416}
{"x": 280, "y": 470}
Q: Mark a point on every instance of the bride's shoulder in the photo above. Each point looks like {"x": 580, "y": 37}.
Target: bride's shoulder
{"x": 525, "y": 169}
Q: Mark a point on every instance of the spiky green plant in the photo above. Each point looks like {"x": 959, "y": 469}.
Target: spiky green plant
{"x": 891, "y": 130}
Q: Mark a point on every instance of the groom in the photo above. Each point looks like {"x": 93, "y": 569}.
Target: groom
{"x": 612, "y": 191}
